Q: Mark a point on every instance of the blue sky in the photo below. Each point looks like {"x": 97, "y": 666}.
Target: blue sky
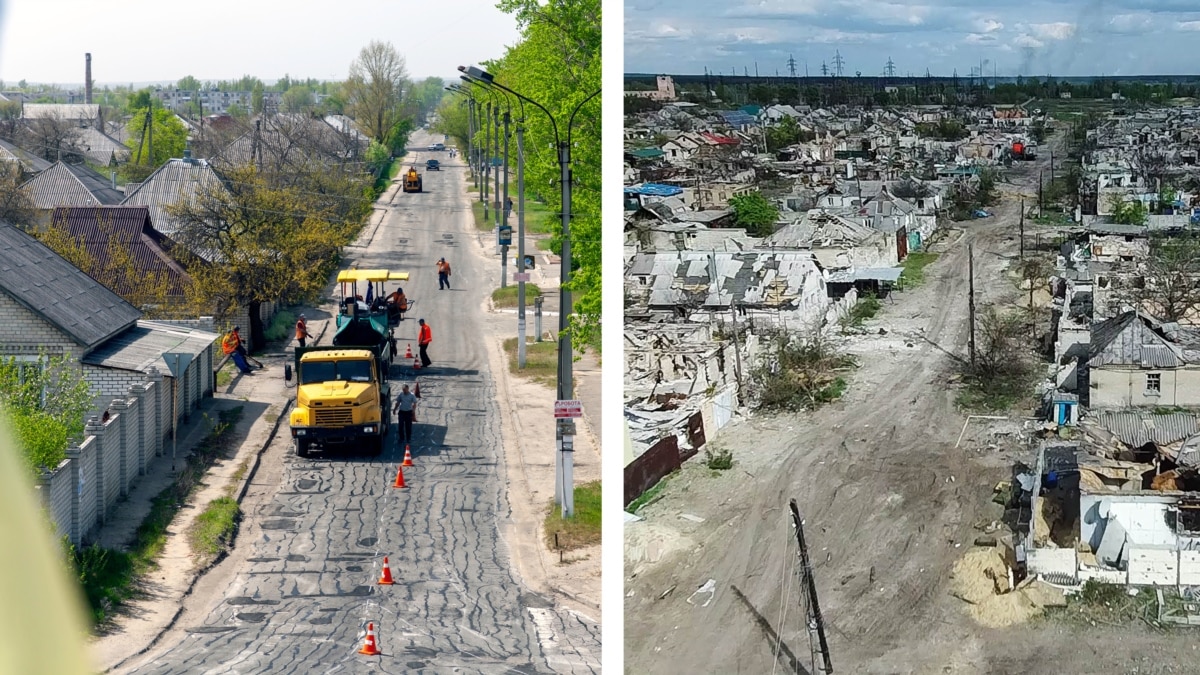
{"x": 153, "y": 40}
{"x": 1030, "y": 37}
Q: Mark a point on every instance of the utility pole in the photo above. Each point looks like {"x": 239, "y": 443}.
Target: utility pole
{"x": 521, "y": 241}
{"x": 487, "y": 165}
{"x": 737, "y": 348}
{"x": 1041, "y": 204}
{"x": 1022, "y": 228}
{"x": 813, "y": 619}
{"x": 971, "y": 301}
{"x": 150, "y": 128}
{"x": 504, "y": 207}
{"x": 566, "y": 388}
{"x": 495, "y": 151}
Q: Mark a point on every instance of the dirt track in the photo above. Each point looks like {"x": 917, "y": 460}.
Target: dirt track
{"x": 889, "y": 503}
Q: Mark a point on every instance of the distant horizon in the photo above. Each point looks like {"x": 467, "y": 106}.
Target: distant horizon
{"x": 914, "y": 76}
{"x": 10, "y": 85}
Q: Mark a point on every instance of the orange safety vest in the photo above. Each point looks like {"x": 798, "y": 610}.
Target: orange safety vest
{"x": 230, "y": 343}
{"x": 444, "y": 267}
{"x": 426, "y": 335}
{"x": 401, "y": 301}
{"x": 301, "y": 330}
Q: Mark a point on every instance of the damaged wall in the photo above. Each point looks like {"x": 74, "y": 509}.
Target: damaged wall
{"x": 1115, "y": 387}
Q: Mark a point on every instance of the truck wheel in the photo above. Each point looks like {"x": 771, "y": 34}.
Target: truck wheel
{"x": 302, "y": 445}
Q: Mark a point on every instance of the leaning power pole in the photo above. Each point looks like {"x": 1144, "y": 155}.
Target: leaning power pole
{"x": 971, "y": 302}
{"x": 813, "y": 619}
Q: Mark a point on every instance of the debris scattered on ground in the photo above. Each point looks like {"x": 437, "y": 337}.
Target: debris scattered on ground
{"x": 709, "y": 587}
{"x": 982, "y": 579}
{"x": 694, "y": 519}
{"x": 666, "y": 593}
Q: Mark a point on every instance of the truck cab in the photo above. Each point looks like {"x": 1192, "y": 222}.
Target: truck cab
{"x": 342, "y": 401}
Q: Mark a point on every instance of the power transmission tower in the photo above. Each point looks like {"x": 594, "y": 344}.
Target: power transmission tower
{"x": 813, "y": 619}
{"x": 891, "y": 68}
{"x": 927, "y": 73}
{"x": 824, "y": 69}
{"x": 839, "y": 63}
{"x": 791, "y": 63}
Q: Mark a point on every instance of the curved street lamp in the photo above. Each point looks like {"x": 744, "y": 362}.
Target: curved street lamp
{"x": 564, "y": 483}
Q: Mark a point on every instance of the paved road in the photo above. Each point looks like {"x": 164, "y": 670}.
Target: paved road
{"x": 303, "y": 581}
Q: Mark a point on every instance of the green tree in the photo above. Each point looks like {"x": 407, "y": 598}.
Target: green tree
{"x": 753, "y": 212}
{"x": 15, "y": 205}
{"x": 297, "y": 99}
{"x": 256, "y": 98}
{"x": 557, "y": 63}
{"x": 139, "y": 100}
{"x": 46, "y": 400}
{"x": 377, "y": 157}
{"x": 1127, "y": 211}
{"x": 164, "y": 132}
{"x": 237, "y": 112}
{"x": 275, "y": 242}
{"x": 423, "y": 97}
{"x": 377, "y": 81}
{"x": 188, "y": 83}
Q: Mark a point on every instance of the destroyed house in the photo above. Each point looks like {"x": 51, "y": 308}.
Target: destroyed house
{"x": 1130, "y": 364}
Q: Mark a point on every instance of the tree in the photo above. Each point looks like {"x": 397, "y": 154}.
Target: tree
{"x": 1126, "y": 211}
{"x": 256, "y": 98}
{"x": 373, "y": 91}
{"x": 753, "y": 212}
{"x": 188, "y": 83}
{"x": 46, "y": 401}
{"x": 10, "y": 116}
{"x": 423, "y": 97}
{"x": 1170, "y": 286}
{"x": 297, "y": 99}
{"x": 152, "y": 140}
{"x": 269, "y": 243}
{"x": 15, "y": 205}
{"x": 51, "y": 138}
{"x": 557, "y": 63}
{"x": 377, "y": 157}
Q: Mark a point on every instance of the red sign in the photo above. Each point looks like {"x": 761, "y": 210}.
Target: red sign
{"x": 521, "y": 276}
{"x": 564, "y": 409}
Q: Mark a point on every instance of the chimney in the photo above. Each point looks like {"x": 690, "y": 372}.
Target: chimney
{"x": 187, "y": 151}
{"x": 87, "y": 80}
{"x": 114, "y": 180}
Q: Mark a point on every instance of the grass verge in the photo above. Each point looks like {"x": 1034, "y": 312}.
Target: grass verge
{"x": 225, "y": 375}
{"x": 1108, "y": 604}
{"x": 281, "y": 326}
{"x": 914, "y": 269}
{"x": 582, "y": 529}
{"x": 482, "y": 224}
{"x": 110, "y": 576}
{"x": 507, "y": 296}
{"x": 651, "y": 494}
{"x": 541, "y": 361}
{"x": 213, "y": 530}
{"x": 866, "y": 308}
{"x": 544, "y": 244}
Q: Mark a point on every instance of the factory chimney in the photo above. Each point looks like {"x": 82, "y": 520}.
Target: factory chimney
{"x": 87, "y": 82}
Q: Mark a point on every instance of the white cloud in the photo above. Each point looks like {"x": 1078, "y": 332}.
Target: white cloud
{"x": 1131, "y": 23}
{"x": 1059, "y": 30}
{"x": 979, "y": 39}
{"x": 1188, "y": 26}
{"x": 988, "y": 25}
{"x": 1028, "y": 42}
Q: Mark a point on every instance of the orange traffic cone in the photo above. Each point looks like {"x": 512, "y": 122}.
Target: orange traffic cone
{"x": 417, "y": 390}
{"x": 408, "y": 351}
{"x": 399, "y": 478}
{"x": 416, "y": 363}
{"x": 386, "y": 579}
{"x": 369, "y": 647}
{"x": 407, "y": 457}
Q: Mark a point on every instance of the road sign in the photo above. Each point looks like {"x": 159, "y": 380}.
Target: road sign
{"x": 177, "y": 362}
{"x": 521, "y": 276}
{"x": 564, "y": 409}
{"x": 504, "y": 235}
{"x": 528, "y": 262}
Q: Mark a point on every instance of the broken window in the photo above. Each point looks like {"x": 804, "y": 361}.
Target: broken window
{"x": 1154, "y": 383}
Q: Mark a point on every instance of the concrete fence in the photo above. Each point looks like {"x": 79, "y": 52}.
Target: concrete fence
{"x": 81, "y": 492}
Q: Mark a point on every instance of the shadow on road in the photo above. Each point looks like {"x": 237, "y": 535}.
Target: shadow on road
{"x": 773, "y": 640}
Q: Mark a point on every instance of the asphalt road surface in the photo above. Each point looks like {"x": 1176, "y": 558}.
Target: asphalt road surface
{"x": 297, "y": 593}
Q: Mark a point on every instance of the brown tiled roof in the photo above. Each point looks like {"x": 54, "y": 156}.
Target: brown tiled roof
{"x": 95, "y": 227}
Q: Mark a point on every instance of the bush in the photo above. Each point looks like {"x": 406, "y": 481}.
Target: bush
{"x": 800, "y": 373}
{"x": 719, "y": 460}
{"x": 281, "y": 326}
{"x": 866, "y": 307}
{"x": 214, "y": 528}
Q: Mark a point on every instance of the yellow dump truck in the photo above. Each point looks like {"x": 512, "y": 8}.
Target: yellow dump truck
{"x": 412, "y": 180}
{"x": 342, "y": 400}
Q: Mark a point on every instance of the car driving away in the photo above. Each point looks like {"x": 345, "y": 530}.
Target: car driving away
{"x": 437, "y": 147}
{"x": 432, "y": 165}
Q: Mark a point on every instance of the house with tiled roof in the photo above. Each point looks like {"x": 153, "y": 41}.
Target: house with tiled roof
{"x": 30, "y": 163}
{"x": 1131, "y": 363}
{"x": 175, "y": 181}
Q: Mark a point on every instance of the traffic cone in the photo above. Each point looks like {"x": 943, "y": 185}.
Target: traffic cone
{"x": 417, "y": 390}
{"x": 369, "y": 647}
{"x": 386, "y": 579}
{"x": 408, "y": 351}
{"x": 399, "y": 478}
{"x": 416, "y": 363}
{"x": 407, "y": 457}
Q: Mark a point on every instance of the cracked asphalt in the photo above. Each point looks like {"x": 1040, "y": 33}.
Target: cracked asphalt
{"x": 296, "y": 594}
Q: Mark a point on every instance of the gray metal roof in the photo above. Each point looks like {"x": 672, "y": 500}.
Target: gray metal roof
{"x": 28, "y": 160}
{"x": 1139, "y": 428}
{"x": 1128, "y": 340}
{"x": 62, "y": 111}
{"x": 891, "y": 274}
{"x": 171, "y": 183}
{"x": 70, "y": 185}
{"x": 100, "y": 147}
{"x": 59, "y": 292}
{"x": 144, "y": 344}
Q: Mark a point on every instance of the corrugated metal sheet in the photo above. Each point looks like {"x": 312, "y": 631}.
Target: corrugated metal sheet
{"x": 61, "y": 111}
{"x": 32, "y": 163}
{"x": 100, "y": 147}
{"x": 59, "y": 292}
{"x": 70, "y": 185}
{"x": 130, "y": 226}
{"x": 171, "y": 183}
{"x": 1139, "y": 428}
{"x": 143, "y": 345}
{"x": 1123, "y": 340}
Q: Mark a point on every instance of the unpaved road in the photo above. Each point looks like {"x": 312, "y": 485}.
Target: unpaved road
{"x": 299, "y": 588}
{"x": 889, "y": 504}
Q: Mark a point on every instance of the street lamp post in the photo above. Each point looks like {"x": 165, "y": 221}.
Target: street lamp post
{"x": 504, "y": 206}
{"x": 565, "y": 432}
{"x": 487, "y": 166}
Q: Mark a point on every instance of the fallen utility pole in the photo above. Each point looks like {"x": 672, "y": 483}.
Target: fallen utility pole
{"x": 816, "y": 624}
